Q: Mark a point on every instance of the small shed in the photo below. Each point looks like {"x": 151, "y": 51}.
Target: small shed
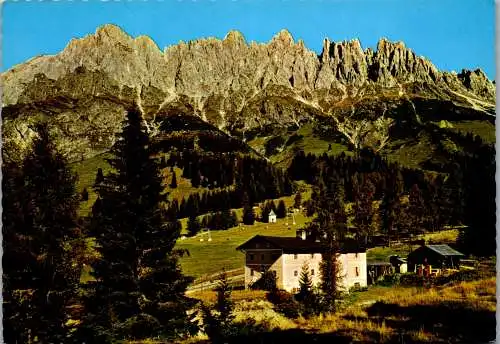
{"x": 434, "y": 257}
{"x": 272, "y": 217}
{"x": 400, "y": 265}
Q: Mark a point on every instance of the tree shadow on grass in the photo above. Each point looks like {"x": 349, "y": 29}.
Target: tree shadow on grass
{"x": 291, "y": 336}
{"x": 452, "y": 321}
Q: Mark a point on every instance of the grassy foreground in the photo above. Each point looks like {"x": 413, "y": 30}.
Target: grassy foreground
{"x": 461, "y": 312}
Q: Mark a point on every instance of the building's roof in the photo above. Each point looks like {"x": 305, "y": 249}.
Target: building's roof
{"x": 378, "y": 264}
{"x": 271, "y": 213}
{"x": 399, "y": 260}
{"x": 297, "y": 245}
{"x": 444, "y": 250}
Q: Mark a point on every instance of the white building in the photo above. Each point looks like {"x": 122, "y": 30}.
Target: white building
{"x": 272, "y": 217}
{"x": 286, "y": 256}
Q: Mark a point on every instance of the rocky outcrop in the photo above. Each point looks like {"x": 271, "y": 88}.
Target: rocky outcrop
{"x": 211, "y": 66}
{"x": 230, "y": 83}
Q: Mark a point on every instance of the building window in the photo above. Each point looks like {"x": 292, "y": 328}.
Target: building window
{"x": 262, "y": 257}
{"x": 251, "y": 257}
{"x": 295, "y": 256}
{"x": 312, "y": 272}
{"x": 251, "y": 272}
{"x": 356, "y": 255}
{"x": 357, "y": 271}
{"x": 295, "y": 273}
{"x": 312, "y": 255}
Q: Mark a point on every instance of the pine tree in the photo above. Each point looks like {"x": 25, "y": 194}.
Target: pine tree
{"x": 264, "y": 212}
{"x": 173, "y": 183}
{"x": 390, "y": 205}
{"x": 19, "y": 315}
{"x": 363, "y": 208}
{"x": 195, "y": 179}
{"x": 139, "y": 290}
{"x": 218, "y": 322}
{"x": 234, "y": 219}
{"x": 42, "y": 245}
{"x": 272, "y": 206}
{"x": 226, "y": 219}
{"x": 297, "y": 201}
{"x": 416, "y": 210}
{"x": 307, "y": 296}
{"x": 305, "y": 281}
{"x": 85, "y": 195}
{"x": 480, "y": 217}
{"x": 99, "y": 178}
{"x": 281, "y": 210}
{"x": 248, "y": 213}
{"x": 193, "y": 225}
{"x": 332, "y": 226}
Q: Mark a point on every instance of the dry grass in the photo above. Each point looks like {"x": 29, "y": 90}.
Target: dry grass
{"x": 357, "y": 322}
{"x": 442, "y": 237}
{"x": 210, "y": 296}
{"x": 360, "y": 323}
{"x": 481, "y": 293}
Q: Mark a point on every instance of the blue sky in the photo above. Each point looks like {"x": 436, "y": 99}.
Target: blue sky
{"x": 454, "y": 34}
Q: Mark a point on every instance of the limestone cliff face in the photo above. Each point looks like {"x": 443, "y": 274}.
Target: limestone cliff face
{"x": 230, "y": 83}
{"x": 210, "y": 66}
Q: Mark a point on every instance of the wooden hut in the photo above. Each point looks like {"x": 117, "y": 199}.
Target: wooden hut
{"x": 432, "y": 259}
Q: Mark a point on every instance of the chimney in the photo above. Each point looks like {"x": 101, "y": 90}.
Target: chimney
{"x": 301, "y": 234}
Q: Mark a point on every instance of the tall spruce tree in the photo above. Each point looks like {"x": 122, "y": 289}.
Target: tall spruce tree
{"x": 332, "y": 225}
{"x": 264, "y": 212}
{"x": 390, "y": 206}
{"x": 307, "y": 295}
{"x": 305, "y": 281}
{"x": 84, "y": 195}
{"x": 297, "y": 201}
{"x": 173, "y": 182}
{"x": 42, "y": 245}
{"x": 248, "y": 213}
{"x": 363, "y": 208}
{"x": 478, "y": 237}
{"x": 139, "y": 289}
{"x": 416, "y": 210}
{"x": 219, "y": 320}
{"x": 99, "y": 178}
{"x": 193, "y": 225}
{"x": 281, "y": 210}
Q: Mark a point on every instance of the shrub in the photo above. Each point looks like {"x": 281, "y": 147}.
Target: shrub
{"x": 285, "y": 303}
{"x": 390, "y": 280}
{"x": 266, "y": 282}
{"x": 249, "y": 327}
{"x": 461, "y": 276}
{"x": 411, "y": 279}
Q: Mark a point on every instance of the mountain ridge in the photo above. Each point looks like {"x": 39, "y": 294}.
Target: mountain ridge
{"x": 234, "y": 85}
{"x": 341, "y": 63}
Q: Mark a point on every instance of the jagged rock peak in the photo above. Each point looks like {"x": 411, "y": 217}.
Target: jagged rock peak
{"x": 112, "y": 31}
{"x": 477, "y": 82}
{"x": 210, "y": 66}
{"x": 235, "y": 36}
{"x": 283, "y": 36}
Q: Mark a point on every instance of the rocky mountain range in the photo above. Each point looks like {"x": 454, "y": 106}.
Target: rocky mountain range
{"x": 245, "y": 90}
